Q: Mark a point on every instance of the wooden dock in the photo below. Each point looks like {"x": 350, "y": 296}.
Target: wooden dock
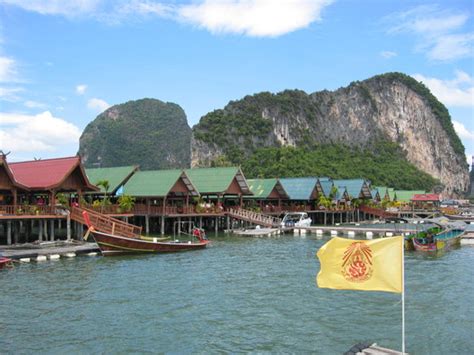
{"x": 397, "y": 228}
{"x": 32, "y": 250}
{"x": 350, "y": 231}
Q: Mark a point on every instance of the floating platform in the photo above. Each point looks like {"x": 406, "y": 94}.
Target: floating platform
{"x": 468, "y": 238}
{"x": 257, "y": 232}
{"x": 48, "y": 249}
{"x": 371, "y": 349}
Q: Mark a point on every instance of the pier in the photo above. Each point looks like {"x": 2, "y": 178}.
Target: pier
{"x": 48, "y": 249}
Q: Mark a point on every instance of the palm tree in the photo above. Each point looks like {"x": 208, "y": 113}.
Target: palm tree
{"x": 106, "y": 186}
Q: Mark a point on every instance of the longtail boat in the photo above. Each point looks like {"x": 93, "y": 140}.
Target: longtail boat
{"x": 5, "y": 262}
{"x": 114, "y": 244}
{"x": 440, "y": 241}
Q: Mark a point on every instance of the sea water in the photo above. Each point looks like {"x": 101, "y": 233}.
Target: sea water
{"x": 238, "y": 295}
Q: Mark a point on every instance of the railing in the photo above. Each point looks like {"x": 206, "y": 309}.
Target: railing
{"x": 273, "y": 209}
{"x": 108, "y": 209}
{"x": 142, "y": 209}
{"x": 379, "y": 212}
{"x": 254, "y": 217}
{"x": 30, "y": 210}
{"x": 106, "y": 224}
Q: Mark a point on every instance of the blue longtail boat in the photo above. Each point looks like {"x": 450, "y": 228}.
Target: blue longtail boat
{"x": 441, "y": 241}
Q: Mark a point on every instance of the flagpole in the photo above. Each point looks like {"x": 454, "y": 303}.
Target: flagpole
{"x": 403, "y": 296}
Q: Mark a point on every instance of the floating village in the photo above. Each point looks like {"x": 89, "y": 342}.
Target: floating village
{"x": 56, "y": 208}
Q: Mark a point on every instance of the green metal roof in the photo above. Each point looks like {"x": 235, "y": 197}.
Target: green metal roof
{"x": 326, "y": 186}
{"x": 156, "y": 183}
{"x": 375, "y": 192}
{"x": 262, "y": 188}
{"x": 406, "y": 195}
{"x": 116, "y": 176}
{"x": 299, "y": 188}
{"x": 217, "y": 180}
{"x": 341, "y": 193}
{"x": 382, "y": 191}
{"x": 355, "y": 187}
{"x": 391, "y": 193}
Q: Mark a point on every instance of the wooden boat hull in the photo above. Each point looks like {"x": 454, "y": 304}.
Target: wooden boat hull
{"x": 116, "y": 245}
{"x": 423, "y": 247}
{"x": 5, "y": 262}
{"x": 447, "y": 243}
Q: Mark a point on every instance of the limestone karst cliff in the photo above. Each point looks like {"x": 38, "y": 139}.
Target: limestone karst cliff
{"x": 391, "y": 107}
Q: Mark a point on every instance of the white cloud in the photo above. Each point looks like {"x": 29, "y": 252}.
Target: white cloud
{"x": 442, "y": 34}
{"x": 10, "y": 94}
{"x": 35, "y": 133}
{"x": 388, "y": 54}
{"x": 97, "y": 104}
{"x": 455, "y": 92}
{"x": 81, "y": 89}
{"x": 34, "y": 104}
{"x": 144, "y": 7}
{"x": 462, "y": 131}
{"x": 67, "y": 8}
{"x": 258, "y": 18}
{"x": 454, "y": 46}
{"x": 8, "y": 72}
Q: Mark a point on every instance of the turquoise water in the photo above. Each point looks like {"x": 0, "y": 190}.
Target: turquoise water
{"x": 239, "y": 295}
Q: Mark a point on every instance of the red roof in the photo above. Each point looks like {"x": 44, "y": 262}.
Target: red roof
{"x": 44, "y": 174}
{"x": 425, "y": 197}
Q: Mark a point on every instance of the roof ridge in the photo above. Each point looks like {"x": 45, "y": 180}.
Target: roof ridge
{"x": 41, "y": 160}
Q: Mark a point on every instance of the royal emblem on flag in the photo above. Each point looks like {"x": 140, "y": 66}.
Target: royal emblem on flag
{"x": 357, "y": 262}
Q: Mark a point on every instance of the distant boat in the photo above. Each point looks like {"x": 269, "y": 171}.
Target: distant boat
{"x": 440, "y": 241}
{"x": 112, "y": 244}
{"x": 296, "y": 219}
{"x": 463, "y": 216}
{"x": 4, "y": 262}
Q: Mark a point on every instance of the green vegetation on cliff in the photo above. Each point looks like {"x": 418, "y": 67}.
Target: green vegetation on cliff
{"x": 384, "y": 164}
{"x": 147, "y": 132}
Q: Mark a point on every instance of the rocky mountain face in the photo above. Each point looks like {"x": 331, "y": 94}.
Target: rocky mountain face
{"x": 391, "y": 107}
{"x": 147, "y": 132}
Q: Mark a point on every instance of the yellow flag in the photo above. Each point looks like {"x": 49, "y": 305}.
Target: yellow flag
{"x": 368, "y": 265}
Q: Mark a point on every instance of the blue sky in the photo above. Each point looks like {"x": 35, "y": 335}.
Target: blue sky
{"x": 62, "y": 63}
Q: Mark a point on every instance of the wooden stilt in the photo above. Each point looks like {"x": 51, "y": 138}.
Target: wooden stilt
{"x": 51, "y": 230}
{"x": 9, "y": 232}
{"x": 16, "y": 232}
{"x": 45, "y": 229}
{"x": 40, "y": 231}
{"x": 147, "y": 224}
{"x": 162, "y": 225}
{"x": 68, "y": 227}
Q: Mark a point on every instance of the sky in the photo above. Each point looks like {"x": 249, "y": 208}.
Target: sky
{"x": 64, "y": 62}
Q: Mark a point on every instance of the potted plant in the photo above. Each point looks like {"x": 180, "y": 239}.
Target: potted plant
{"x": 126, "y": 203}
